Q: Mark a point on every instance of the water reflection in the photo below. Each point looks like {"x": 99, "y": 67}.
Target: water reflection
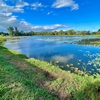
{"x": 63, "y": 59}
{"x": 58, "y": 48}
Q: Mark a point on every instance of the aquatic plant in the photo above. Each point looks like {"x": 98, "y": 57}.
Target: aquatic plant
{"x": 91, "y": 41}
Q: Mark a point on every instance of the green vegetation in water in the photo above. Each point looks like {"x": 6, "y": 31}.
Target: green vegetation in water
{"x": 95, "y": 42}
{"x": 94, "y": 61}
{"x": 22, "y": 78}
{"x": 14, "y": 38}
{"x": 2, "y": 40}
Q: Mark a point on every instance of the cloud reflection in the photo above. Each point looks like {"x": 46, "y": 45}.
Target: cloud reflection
{"x": 63, "y": 59}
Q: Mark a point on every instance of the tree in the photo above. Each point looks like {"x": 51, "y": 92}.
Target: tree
{"x": 17, "y": 33}
{"x": 79, "y": 33}
{"x": 66, "y": 33}
{"x": 55, "y": 33}
{"x": 83, "y": 32}
{"x": 98, "y": 33}
{"x": 32, "y": 33}
{"x": 22, "y": 33}
{"x": 11, "y": 31}
{"x": 94, "y": 33}
{"x": 0, "y": 33}
{"x": 61, "y": 32}
{"x": 98, "y": 30}
{"x": 71, "y": 32}
{"x": 43, "y": 33}
{"x": 88, "y": 33}
{"x": 51, "y": 33}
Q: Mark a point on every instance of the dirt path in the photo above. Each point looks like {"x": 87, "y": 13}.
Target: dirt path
{"x": 22, "y": 64}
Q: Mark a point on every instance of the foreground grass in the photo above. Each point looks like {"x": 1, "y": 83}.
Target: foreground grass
{"x": 17, "y": 85}
{"x": 22, "y": 78}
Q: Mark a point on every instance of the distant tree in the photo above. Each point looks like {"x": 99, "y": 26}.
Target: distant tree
{"x": 71, "y": 32}
{"x": 1, "y": 33}
{"x": 98, "y": 33}
{"x": 83, "y": 32}
{"x": 88, "y": 33}
{"x": 22, "y": 33}
{"x": 55, "y": 33}
{"x": 79, "y": 33}
{"x": 43, "y": 33}
{"x": 66, "y": 33}
{"x": 32, "y": 33}
{"x": 94, "y": 33}
{"x": 50, "y": 33}
{"x": 98, "y": 30}
{"x": 17, "y": 33}
{"x": 11, "y": 31}
{"x": 61, "y": 32}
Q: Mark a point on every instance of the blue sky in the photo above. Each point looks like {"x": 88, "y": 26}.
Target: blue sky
{"x": 49, "y": 15}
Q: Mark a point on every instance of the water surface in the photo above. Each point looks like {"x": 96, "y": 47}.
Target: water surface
{"x": 59, "y": 50}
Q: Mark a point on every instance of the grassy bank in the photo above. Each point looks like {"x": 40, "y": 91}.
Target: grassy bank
{"x": 22, "y": 78}
{"x": 2, "y": 40}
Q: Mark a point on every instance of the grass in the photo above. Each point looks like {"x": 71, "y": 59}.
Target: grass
{"x": 17, "y": 84}
{"x": 23, "y": 78}
{"x": 2, "y": 40}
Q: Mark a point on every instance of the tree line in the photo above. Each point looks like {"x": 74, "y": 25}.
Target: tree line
{"x": 13, "y": 31}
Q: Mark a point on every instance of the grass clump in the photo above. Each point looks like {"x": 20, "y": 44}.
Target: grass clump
{"x": 26, "y": 78}
{"x": 2, "y": 40}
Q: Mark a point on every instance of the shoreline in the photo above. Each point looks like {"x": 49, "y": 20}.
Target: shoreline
{"x": 57, "y": 83}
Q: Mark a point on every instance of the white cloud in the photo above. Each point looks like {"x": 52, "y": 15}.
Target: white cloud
{"x": 75, "y": 7}
{"x": 48, "y": 27}
{"x": 37, "y": 5}
{"x": 65, "y": 3}
{"x": 8, "y": 19}
{"x": 49, "y": 13}
{"x": 21, "y": 3}
{"x": 10, "y": 9}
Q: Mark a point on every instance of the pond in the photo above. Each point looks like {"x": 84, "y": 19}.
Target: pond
{"x": 60, "y": 51}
